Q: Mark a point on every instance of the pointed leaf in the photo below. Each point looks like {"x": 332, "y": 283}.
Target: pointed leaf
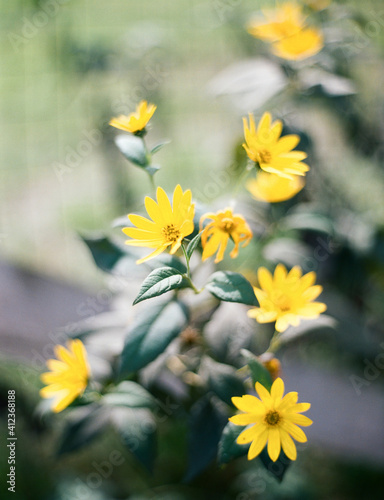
{"x": 206, "y": 425}
{"x": 105, "y": 252}
{"x": 193, "y": 244}
{"x": 278, "y": 468}
{"x": 137, "y": 429}
{"x": 151, "y": 334}
{"x": 222, "y": 380}
{"x": 84, "y": 426}
{"x": 159, "y": 281}
{"x": 231, "y": 287}
{"x": 257, "y": 370}
{"x": 159, "y": 146}
{"x": 133, "y": 148}
{"x": 131, "y": 395}
{"x": 228, "y": 448}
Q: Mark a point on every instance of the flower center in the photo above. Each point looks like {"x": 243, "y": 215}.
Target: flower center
{"x": 265, "y": 156}
{"x": 227, "y": 225}
{"x": 281, "y": 301}
{"x": 171, "y": 233}
{"x": 272, "y": 418}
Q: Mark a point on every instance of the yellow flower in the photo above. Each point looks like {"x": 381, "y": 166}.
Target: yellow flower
{"x": 303, "y": 44}
{"x": 169, "y": 224}
{"x": 286, "y": 297}
{"x": 274, "y": 419}
{"x": 68, "y": 375}
{"x": 216, "y": 234}
{"x": 285, "y": 27}
{"x": 273, "y": 153}
{"x": 137, "y": 121}
{"x": 273, "y": 188}
{"x": 283, "y": 21}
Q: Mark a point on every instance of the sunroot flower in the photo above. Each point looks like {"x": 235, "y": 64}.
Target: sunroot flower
{"x": 285, "y": 27}
{"x": 216, "y": 234}
{"x": 273, "y": 153}
{"x": 286, "y": 297}
{"x": 68, "y": 375}
{"x": 273, "y": 188}
{"x": 168, "y": 225}
{"x": 275, "y": 420}
{"x": 137, "y": 121}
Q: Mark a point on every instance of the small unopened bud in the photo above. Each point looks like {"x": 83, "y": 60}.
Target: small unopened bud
{"x": 272, "y": 364}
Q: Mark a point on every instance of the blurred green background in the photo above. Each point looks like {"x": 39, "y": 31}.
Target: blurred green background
{"x": 67, "y": 67}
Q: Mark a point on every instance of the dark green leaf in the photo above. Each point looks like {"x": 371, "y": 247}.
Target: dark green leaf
{"x": 151, "y": 169}
{"x": 228, "y": 448}
{"x": 159, "y": 281}
{"x": 278, "y": 468}
{"x": 133, "y": 148}
{"x": 193, "y": 244}
{"x": 316, "y": 222}
{"x": 323, "y": 325}
{"x": 85, "y": 424}
{"x": 105, "y": 252}
{"x": 129, "y": 394}
{"x": 206, "y": 425}
{"x": 231, "y": 287}
{"x": 137, "y": 429}
{"x": 258, "y": 371}
{"x": 151, "y": 334}
{"x": 159, "y": 146}
{"x": 222, "y": 380}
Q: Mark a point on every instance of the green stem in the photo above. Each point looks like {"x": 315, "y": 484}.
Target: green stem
{"x": 274, "y": 343}
{"x": 188, "y": 275}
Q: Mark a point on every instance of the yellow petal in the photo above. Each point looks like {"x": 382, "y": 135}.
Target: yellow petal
{"x": 274, "y": 445}
{"x": 288, "y": 445}
{"x": 248, "y": 403}
{"x": 258, "y": 444}
{"x": 294, "y": 431}
{"x": 277, "y": 390}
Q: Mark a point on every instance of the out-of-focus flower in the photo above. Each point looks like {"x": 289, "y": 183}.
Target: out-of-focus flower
{"x": 68, "y": 375}
{"x": 216, "y": 234}
{"x": 273, "y": 188}
{"x": 136, "y": 122}
{"x": 275, "y": 420}
{"x": 286, "y": 29}
{"x": 168, "y": 225}
{"x": 273, "y": 153}
{"x": 286, "y": 297}
{"x": 272, "y": 364}
{"x": 283, "y": 21}
{"x": 303, "y": 44}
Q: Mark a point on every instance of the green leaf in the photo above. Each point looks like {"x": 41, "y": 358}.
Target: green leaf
{"x": 323, "y": 325}
{"x": 231, "y": 287}
{"x": 159, "y": 146}
{"x": 131, "y": 395}
{"x": 228, "y": 447}
{"x": 151, "y": 334}
{"x": 206, "y": 425}
{"x": 278, "y": 468}
{"x": 222, "y": 380}
{"x": 85, "y": 424}
{"x": 159, "y": 281}
{"x": 133, "y": 148}
{"x": 193, "y": 244}
{"x": 258, "y": 371}
{"x": 137, "y": 429}
{"x": 105, "y": 252}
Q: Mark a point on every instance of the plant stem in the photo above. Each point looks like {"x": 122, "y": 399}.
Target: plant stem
{"x": 274, "y": 343}
{"x": 188, "y": 275}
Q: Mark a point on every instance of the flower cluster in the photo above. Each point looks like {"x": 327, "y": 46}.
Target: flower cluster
{"x": 286, "y": 29}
